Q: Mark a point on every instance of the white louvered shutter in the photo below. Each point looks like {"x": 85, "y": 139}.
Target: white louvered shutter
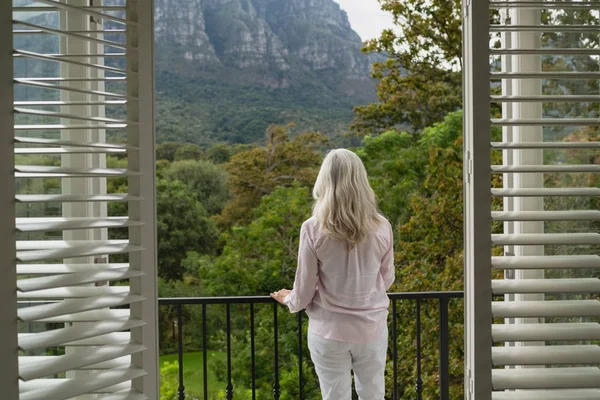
{"x": 544, "y": 340}
{"x": 85, "y": 254}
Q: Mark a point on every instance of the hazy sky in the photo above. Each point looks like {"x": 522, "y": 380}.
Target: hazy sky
{"x": 366, "y": 17}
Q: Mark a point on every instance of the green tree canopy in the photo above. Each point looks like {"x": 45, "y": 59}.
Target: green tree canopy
{"x": 182, "y": 226}
{"x": 261, "y": 257}
{"x": 397, "y": 163}
{"x": 420, "y": 81}
{"x": 284, "y": 161}
{"x": 204, "y": 179}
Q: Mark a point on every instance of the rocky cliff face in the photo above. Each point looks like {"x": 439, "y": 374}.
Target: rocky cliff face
{"x": 278, "y": 41}
{"x": 227, "y": 69}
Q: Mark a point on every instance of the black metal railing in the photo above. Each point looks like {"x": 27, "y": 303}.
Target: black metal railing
{"x": 418, "y": 297}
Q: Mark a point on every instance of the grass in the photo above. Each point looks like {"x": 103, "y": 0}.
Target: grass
{"x": 193, "y": 373}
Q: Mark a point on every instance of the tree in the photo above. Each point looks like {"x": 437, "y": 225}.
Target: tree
{"x": 397, "y": 161}
{"x": 189, "y": 152}
{"x": 204, "y": 179}
{"x": 167, "y": 150}
{"x": 420, "y": 81}
{"x": 261, "y": 256}
{"x": 284, "y": 161}
{"x": 182, "y": 226}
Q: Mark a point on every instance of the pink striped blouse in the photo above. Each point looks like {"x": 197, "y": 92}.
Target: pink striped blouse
{"x": 344, "y": 291}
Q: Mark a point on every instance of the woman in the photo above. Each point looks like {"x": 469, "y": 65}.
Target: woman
{"x": 345, "y": 267}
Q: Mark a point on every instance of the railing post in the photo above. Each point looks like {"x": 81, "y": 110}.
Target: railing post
{"x": 394, "y": 350}
{"x": 419, "y": 380}
{"x": 204, "y": 352}
{"x": 301, "y": 383}
{"x": 276, "y": 387}
{"x": 181, "y": 390}
{"x": 252, "y": 351}
{"x": 229, "y": 390}
{"x": 444, "y": 388}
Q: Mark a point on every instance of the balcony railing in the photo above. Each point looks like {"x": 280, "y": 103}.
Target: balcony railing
{"x": 442, "y": 298}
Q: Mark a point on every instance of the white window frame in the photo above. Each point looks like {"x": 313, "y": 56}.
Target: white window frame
{"x": 9, "y": 380}
{"x": 478, "y": 292}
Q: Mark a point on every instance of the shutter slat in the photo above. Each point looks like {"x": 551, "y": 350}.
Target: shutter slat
{"x": 83, "y": 250}
{"x": 554, "y": 308}
{"x": 547, "y": 51}
{"x": 546, "y": 262}
{"x": 547, "y": 75}
{"x": 70, "y": 143}
{"x": 546, "y": 98}
{"x": 31, "y": 314}
{"x": 38, "y": 367}
{"x": 116, "y": 361}
{"x": 84, "y": 330}
{"x": 74, "y": 198}
{"x": 42, "y": 171}
{"x": 61, "y": 79}
{"x": 64, "y": 244}
{"x": 546, "y": 355}
{"x": 89, "y": 316}
{"x": 43, "y": 113}
{"x": 92, "y": 275}
{"x": 75, "y": 292}
{"x": 75, "y": 387}
{"x": 545, "y": 332}
{"x": 72, "y": 34}
{"x": 101, "y": 340}
{"x": 554, "y": 286}
{"x": 546, "y": 378}
{"x": 61, "y": 150}
{"x": 63, "y": 224}
{"x": 35, "y": 269}
{"x": 120, "y": 362}
{"x": 571, "y": 215}
{"x": 38, "y": 56}
{"x": 86, "y": 11}
{"x": 561, "y": 5}
{"x": 79, "y": 55}
{"x": 546, "y": 121}
{"x": 558, "y": 394}
{"x": 511, "y": 169}
{"x": 62, "y": 127}
{"x": 71, "y": 103}
{"x": 533, "y": 239}
{"x": 546, "y": 145}
{"x": 543, "y": 192}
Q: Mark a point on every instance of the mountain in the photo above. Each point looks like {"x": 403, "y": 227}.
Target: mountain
{"x": 226, "y": 69}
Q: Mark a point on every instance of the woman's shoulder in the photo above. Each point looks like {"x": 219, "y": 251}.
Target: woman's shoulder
{"x": 383, "y": 222}
{"x": 384, "y": 229}
{"x": 310, "y": 223}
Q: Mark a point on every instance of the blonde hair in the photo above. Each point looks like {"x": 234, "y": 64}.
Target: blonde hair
{"x": 345, "y": 205}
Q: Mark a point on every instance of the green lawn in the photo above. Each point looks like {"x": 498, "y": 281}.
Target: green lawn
{"x": 193, "y": 378}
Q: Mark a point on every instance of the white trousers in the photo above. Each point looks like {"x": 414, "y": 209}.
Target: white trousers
{"x": 333, "y": 361}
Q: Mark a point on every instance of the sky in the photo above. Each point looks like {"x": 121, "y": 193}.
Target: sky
{"x": 366, "y": 17}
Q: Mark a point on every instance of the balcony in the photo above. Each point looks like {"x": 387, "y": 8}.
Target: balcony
{"x": 236, "y": 317}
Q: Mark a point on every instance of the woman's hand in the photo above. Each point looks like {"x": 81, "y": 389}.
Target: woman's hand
{"x": 280, "y": 295}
